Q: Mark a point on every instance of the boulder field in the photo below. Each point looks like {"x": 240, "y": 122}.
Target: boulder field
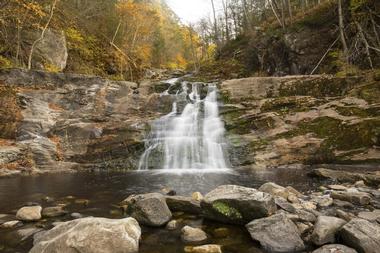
{"x": 278, "y": 219}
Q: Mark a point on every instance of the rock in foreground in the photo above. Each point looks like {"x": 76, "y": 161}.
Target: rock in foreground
{"x": 335, "y": 248}
{"x": 29, "y": 213}
{"x": 361, "y": 235}
{"x": 325, "y": 229}
{"x": 237, "y": 204}
{"x": 149, "y": 209}
{"x": 90, "y": 235}
{"x": 276, "y": 234}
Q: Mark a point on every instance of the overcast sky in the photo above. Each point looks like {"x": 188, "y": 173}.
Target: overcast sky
{"x": 191, "y": 11}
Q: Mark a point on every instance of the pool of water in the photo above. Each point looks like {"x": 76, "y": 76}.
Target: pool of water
{"x": 105, "y": 190}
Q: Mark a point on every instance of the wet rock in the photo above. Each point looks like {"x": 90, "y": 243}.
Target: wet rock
{"x": 362, "y": 235}
{"x": 26, "y": 232}
{"x": 93, "y": 235}
{"x": 345, "y": 176}
{"x": 337, "y": 187}
{"x": 197, "y": 196}
{"x": 6, "y": 217}
{"x": 209, "y": 248}
{"x": 183, "y": 204}
{"x": 149, "y": 209}
{"x": 360, "y": 184}
{"x": 84, "y": 202}
{"x": 237, "y": 204}
{"x": 76, "y": 215}
{"x": 276, "y": 234}
{"x": 172, "y": 225}
{"x": 274, "y": 189}
{"x": 370, "y": 216}
{"x": 325, "y": 229}
{"x": 190, "y": 234}
{"x": 29, "y": 213}
{"x": 357, "y": 198}
{"x": 221, "y": 232}
{"x": 11, "y": 224}
{"x": 335, "y": 248}
{"x": 168, "y": 191}
{"x": 53, "y": 211}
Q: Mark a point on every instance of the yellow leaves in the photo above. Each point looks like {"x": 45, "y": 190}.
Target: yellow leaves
{"x": 74, "y": 36}
{"x": 35, "y": 8}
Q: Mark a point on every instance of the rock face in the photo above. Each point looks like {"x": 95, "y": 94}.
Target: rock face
{"x": 273, "y": 121}
{"x": 62, "y": 121}
{"x": 190, "y": 234}
{"x": 325, "y": 229}
{"x": 50, "y": 50}
{"x": 29, "y": 213}
{"x": 237, "y": 204}
{"x": 362, "y": 235}
{"x": 149, "y": 209}
{"x": 276, "y": 234}
{"x": 335, "y": 248}
{"x": 90, "y": 235}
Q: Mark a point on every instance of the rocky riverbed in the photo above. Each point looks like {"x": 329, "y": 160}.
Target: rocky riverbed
{"x": 342, "y": 215}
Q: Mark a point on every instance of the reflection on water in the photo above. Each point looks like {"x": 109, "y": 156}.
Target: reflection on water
{"x": 104, "y": 188}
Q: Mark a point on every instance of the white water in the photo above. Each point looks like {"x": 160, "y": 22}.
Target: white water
{"x": 188, "y": 140}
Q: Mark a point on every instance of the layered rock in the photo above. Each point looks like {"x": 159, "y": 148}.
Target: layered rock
{"x": 272, "y": 121}
{"x": 57, "y": 121}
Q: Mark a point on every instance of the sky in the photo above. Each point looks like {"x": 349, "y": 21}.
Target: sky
{"x": 191, "y": 11}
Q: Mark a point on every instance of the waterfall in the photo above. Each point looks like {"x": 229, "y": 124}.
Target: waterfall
{"x": 187, "y": 139}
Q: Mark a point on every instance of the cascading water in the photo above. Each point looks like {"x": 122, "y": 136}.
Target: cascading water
{"x": 188, "y": 139}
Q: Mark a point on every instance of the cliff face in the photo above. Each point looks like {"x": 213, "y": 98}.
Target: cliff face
{"x": 302, "y": 119}
{"x": 65, "y": 121}
{"x": 53, "y": 122}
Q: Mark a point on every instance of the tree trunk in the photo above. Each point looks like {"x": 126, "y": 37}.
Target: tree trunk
{"x": 341, "y": 31}
{"x": 42, "y": 34}
{"x": 216, "y": 35}
{"x": 225, "y": 8}
{"x": 365, "y": 42}
{"x": 275, "y": 13}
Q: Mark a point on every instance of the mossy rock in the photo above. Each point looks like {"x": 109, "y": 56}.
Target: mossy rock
{"x": 226, "y": 210}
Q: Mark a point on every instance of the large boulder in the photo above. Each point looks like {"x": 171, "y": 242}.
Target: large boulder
{"x": 90, "y": 235}
{"x": 183, "y": 204}
{"x": 237, "y": 204}
{"x": 51, "y": 50}
{"x": 29, "y": 213}
{"x": 362, "y": 235}
{"x": 53, "y": 211}
{"x": 149, "y": 209}
{"x": 325, "y": 229}
{"x": 335, "y": 248}
{"x": 276, "y": 234}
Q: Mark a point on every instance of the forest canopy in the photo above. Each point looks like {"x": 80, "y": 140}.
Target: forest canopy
{"x": 110, "y": 38}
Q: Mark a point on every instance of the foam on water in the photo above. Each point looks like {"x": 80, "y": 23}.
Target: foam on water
{"x": 187, "y": 141}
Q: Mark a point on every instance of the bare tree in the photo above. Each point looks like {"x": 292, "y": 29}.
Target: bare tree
{"x": 341, "y": 30}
